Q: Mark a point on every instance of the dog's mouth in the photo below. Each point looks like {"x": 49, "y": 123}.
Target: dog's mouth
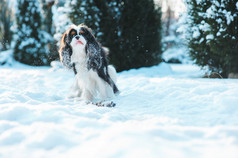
{"x": 79, "y": 42}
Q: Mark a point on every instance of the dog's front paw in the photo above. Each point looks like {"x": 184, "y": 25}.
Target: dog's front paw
{"x": 101, "y": 104}
{"x": 73, "y": 95}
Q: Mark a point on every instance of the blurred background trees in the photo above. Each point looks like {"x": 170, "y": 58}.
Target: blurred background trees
{"x": 139, "y": 35}
{"x": 130, "y": 29}
{"x": 212, "y": 34}
{"x": 136, "y": 32}
{"x": 47, "y": 26}
{"x": 30, "y": 45}
{"x": 5, "y": 25}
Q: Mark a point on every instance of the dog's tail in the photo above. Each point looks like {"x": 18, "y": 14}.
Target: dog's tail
{"x": 115, "y": 89}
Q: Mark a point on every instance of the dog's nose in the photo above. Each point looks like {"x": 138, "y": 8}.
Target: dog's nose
{"x": 77, "y": 37}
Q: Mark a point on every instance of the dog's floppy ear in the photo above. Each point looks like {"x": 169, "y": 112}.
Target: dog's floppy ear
{"x": 65, "y": 51}
{"x": 96, "y": 58}
{"x": 97, "y": 61}
{"x": 62, "y": 42}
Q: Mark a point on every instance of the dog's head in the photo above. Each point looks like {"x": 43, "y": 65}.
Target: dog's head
{"x": 77, "y": 36}
{"x": 79, "y": 41}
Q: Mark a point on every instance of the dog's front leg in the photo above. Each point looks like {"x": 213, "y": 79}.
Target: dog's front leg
{"x": 75, "y": 91}
{"x": 87, "y": 95}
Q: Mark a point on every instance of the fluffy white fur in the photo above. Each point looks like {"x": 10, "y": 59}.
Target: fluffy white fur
{"x": 88, "y": 85}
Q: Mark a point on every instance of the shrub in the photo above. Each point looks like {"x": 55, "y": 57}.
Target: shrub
{"x": 30, "y": 45}
{"x": 213, "y": 34}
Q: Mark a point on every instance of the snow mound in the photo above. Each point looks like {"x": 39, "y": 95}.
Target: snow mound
{"x": 164, "y": 111}
{"x": 6, "y": 57}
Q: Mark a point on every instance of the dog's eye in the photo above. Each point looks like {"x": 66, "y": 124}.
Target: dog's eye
{"x": 73, "y": 33}
{"x": 81, "y": 32}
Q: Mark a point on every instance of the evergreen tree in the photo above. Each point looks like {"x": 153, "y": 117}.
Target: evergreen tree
{"x": 213, "y": 34}
{"x": 47, "y": 26}
{"x": 110, "y": 29}
{"x": 132, "y": 31}
{"x": 61, "y": 20}
{"x": 5, "y": 25}
{"x": 140, "y": 26}
{"x": 30, "y": 47}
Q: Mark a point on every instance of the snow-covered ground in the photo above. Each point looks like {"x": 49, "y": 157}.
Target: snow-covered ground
{"x": 164, "y": 111}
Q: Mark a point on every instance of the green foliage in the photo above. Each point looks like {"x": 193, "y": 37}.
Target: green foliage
{"x": 47, "y": 26}
{"x": 213, "y": 34}
{"x": 131, "y": 29}
{"x": 30, "y": 47}
{"x": 5, "y": 25}
{"x": 140, "y": 34}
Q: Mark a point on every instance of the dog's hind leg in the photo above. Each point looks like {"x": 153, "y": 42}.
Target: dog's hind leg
{"x": 105, "y": 90}
{"x": 113, "y": 78}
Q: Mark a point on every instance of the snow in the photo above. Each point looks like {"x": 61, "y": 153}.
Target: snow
{"x": 162, "y": 111}
{"x": 229, "y": 17}
{"x": 196, "y": 32}
{"x": 6, "y": 57}
{"x": 204, "y": 26}
{"x": 210, "y": 37}
{"x": 179, "y": 53}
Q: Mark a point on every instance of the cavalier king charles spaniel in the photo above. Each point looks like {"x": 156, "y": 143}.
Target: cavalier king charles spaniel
{"x": 94, "y": 78}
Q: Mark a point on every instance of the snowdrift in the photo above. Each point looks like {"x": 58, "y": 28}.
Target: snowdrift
{"x": 162, "y": 111}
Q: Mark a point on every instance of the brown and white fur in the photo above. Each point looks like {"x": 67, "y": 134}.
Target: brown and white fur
{"x": 94, "y": 78}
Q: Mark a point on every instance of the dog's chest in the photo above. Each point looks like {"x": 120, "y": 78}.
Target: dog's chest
{"x": 79, "y": 59}
{"x": 83, "y": 74}
{"x": 81, "y": 68}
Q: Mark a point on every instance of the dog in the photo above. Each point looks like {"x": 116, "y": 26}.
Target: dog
{"x": 94, "y": 78}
